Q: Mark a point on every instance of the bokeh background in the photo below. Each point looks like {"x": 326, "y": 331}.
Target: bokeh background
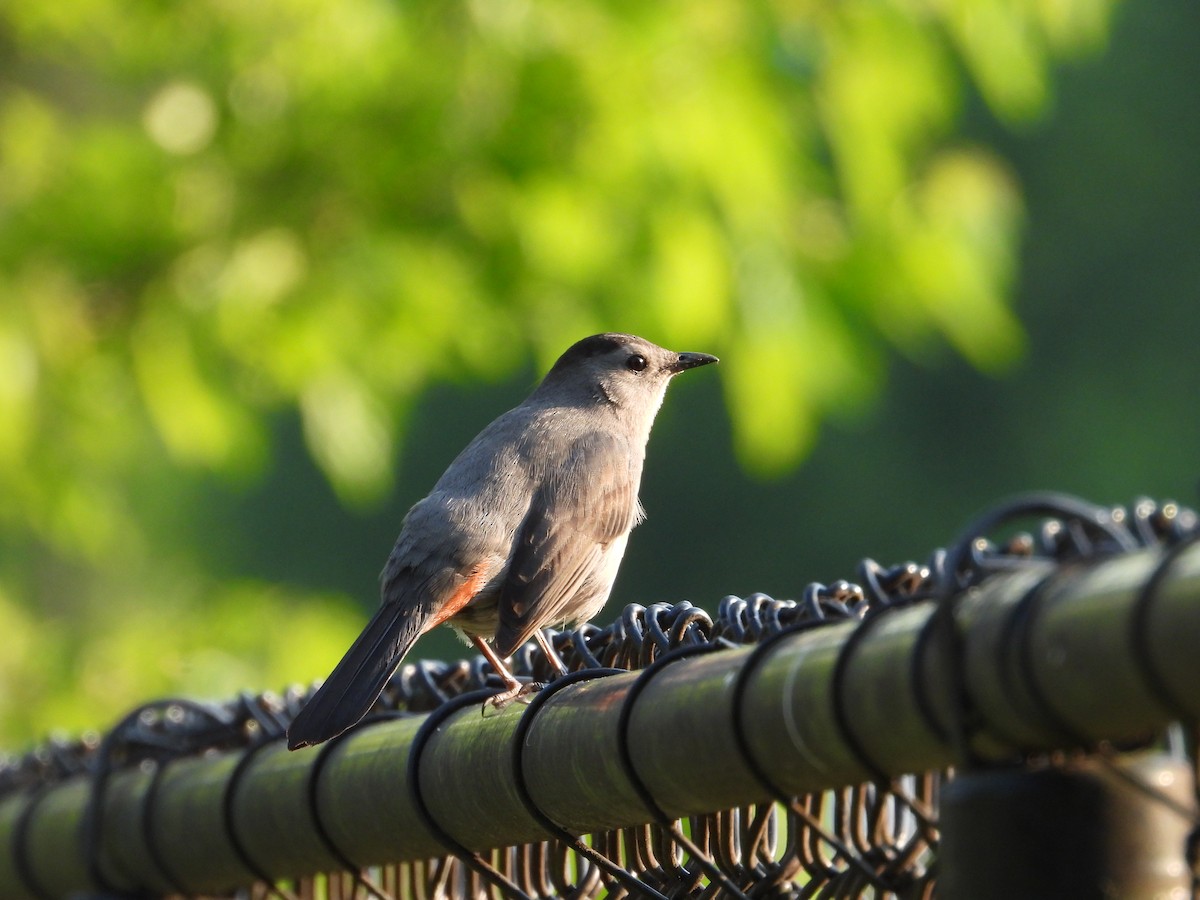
{"x": 266, "y": 267}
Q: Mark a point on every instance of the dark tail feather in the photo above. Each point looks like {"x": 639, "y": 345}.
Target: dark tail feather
{"x": 357, "y": 681}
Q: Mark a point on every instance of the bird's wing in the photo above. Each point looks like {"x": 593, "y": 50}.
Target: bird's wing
{"x": 575, "y": 514}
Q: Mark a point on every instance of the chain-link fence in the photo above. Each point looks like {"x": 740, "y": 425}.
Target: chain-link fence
{"x": 879, "y": 838}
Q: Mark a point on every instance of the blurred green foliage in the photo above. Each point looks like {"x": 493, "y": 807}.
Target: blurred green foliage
{"x": 213, "y": 214}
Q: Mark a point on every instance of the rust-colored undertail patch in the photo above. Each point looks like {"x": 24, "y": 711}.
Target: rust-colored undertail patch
{"x": 461, "y": 597}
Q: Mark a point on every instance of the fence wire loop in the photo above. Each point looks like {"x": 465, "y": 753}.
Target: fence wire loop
{"x": 1139, "y": 631}
{"x": 740, "y": 687}
{"x": 150, "y": 734}
{"x": 314, "y": 805}
{"x": 1021, "y": 628}
{"x": 1078, "y": 530}
{"x": 21, "y": 831}
{"x": 416, "y": 751}
{"x": 519, "y": 740}
{"x": 228, "y": 799}
{"x": 150, "y": 833}
{"x": 840, "y": 717}
{"x": 823, "y": 870}
{"x": 641, "y": 788}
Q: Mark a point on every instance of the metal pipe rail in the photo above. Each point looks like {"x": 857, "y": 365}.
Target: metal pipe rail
{"x": 1051, "y": 656}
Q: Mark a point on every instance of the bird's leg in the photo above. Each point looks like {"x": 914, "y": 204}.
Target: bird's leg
{"x": 497, "y": 664}
{"x": 514, "y": 689}
{"x": 551, "y": 654}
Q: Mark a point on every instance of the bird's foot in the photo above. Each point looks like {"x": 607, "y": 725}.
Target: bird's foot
{"x": 521, "y": 693}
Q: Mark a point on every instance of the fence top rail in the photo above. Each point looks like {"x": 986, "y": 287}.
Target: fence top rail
{"x": 1078, "y": 630}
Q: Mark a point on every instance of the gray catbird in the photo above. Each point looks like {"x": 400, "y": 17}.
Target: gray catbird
{"x": 525, "y": 530}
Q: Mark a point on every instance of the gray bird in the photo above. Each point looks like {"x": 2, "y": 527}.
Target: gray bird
{"x": 525, "y": 530}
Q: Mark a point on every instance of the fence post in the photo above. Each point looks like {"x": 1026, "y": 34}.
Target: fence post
{"x": 1090, "y": 829}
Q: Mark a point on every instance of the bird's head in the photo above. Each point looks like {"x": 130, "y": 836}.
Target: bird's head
{"x": 622, "y": 370}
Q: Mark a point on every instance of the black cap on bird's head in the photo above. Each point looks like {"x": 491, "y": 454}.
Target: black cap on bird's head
{"x": 622, "y": 370}
{"x": 630, "y": 351}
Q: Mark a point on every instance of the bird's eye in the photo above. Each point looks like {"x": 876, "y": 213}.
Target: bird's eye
{"x": 637, "y": 362}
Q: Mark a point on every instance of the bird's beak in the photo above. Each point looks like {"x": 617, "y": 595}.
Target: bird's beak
{"x": 690, "y": 361}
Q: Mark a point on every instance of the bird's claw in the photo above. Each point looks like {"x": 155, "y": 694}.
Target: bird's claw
{"x": 521, "y": 693}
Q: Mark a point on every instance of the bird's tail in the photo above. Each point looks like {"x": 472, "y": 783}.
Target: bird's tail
{"x": 357, "y": 681}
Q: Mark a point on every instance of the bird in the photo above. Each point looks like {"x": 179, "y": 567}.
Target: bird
{"x": 525, "y": 530}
